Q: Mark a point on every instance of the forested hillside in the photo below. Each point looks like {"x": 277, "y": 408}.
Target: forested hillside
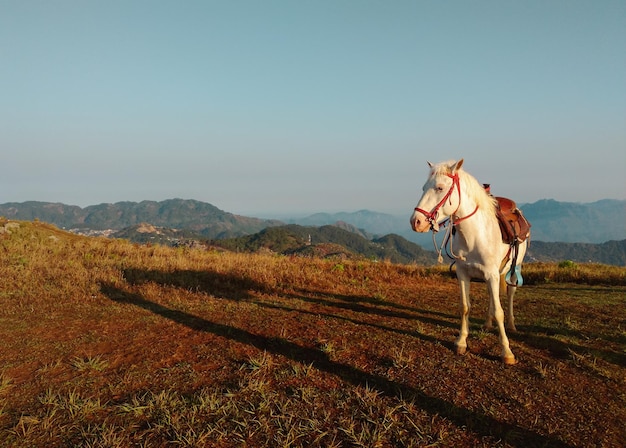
{"x": 294, "y": 238}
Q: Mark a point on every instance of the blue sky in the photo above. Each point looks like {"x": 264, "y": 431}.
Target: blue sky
{"x": 288, "y": 107}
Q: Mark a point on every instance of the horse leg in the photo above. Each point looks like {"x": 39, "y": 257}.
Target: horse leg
{"x": 510, "y": 319}
{"x": 511, "y": 288}
{"x": 489, "y": 319}
{"x": 490, "y": 311}
{"x": 493, "y": 287}
{"x": 464, "y": 308}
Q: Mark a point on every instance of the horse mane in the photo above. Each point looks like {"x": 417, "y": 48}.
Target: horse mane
{"x": 476, "y": 190}
{"x": 470, "y": 185}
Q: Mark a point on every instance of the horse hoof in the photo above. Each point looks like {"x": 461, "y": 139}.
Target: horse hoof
{"x": 509, "y": 360}
{"x": 461, "y": 350}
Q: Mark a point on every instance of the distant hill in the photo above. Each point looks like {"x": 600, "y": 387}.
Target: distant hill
{"x": 294, "y": 238}
{"x": 552, "y": 221}
{"x": 571, "y": 222}
{"x": 610, "y": 252}
{"x": 372, "y": 222}
{"x": 197, "y": 216}
{"x": 145, "y": 233}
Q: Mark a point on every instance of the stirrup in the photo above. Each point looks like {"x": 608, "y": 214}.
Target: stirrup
{"x": 518, "y": 276}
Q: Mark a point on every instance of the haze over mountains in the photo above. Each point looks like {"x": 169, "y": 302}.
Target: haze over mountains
{"x": 552, "y": 221}
{"x": 587, "y": 225}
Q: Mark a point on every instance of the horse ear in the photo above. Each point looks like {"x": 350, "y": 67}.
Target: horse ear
{"x": 430, "y": 164}
{"x": 458, "y": 166}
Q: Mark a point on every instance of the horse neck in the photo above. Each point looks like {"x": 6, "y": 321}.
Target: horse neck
{"x": 475, "y": 227}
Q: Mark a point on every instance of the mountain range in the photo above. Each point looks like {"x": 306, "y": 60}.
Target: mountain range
{"x": 552, "y": 221}
{"x": 560, "y": 230}
{"x": 200, "y": 217}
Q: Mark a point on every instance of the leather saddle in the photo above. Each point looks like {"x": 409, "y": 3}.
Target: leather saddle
{"x": 514, "y": 226}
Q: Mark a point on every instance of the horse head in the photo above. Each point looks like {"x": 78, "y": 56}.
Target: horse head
{"x": 438, "y": 201}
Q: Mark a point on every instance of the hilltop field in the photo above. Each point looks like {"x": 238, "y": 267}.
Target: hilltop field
{"x": 106, "y": 343}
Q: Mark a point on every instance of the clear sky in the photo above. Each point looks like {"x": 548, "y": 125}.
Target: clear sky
{"x": 294, "y": 106}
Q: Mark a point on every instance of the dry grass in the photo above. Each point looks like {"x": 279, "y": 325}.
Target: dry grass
{"x": 110, "y": 344}
{"x": 570, "y": 272}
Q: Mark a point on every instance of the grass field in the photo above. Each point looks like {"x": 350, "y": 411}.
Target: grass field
{"x": 110, "y": 344}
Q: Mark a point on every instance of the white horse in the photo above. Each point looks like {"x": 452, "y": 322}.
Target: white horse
{"x": 477, "y": 244}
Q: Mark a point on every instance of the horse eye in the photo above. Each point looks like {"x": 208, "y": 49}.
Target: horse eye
{"x": 439, "y": 188}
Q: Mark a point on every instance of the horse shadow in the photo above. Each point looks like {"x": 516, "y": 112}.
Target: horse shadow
{"x": 226, "y": 286}
{"x": 236, "y": 287}
{"x": 532, "y": 335}
{"x": 369, "y": 305}
{"x": 481, "y": 423}
{"x": 424, "y": 337}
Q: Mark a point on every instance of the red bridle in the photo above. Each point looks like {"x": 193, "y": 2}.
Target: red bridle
{"x": 432, "y": 215}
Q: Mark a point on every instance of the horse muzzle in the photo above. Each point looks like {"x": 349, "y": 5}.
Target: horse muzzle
{"x": 420, "y": 223}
